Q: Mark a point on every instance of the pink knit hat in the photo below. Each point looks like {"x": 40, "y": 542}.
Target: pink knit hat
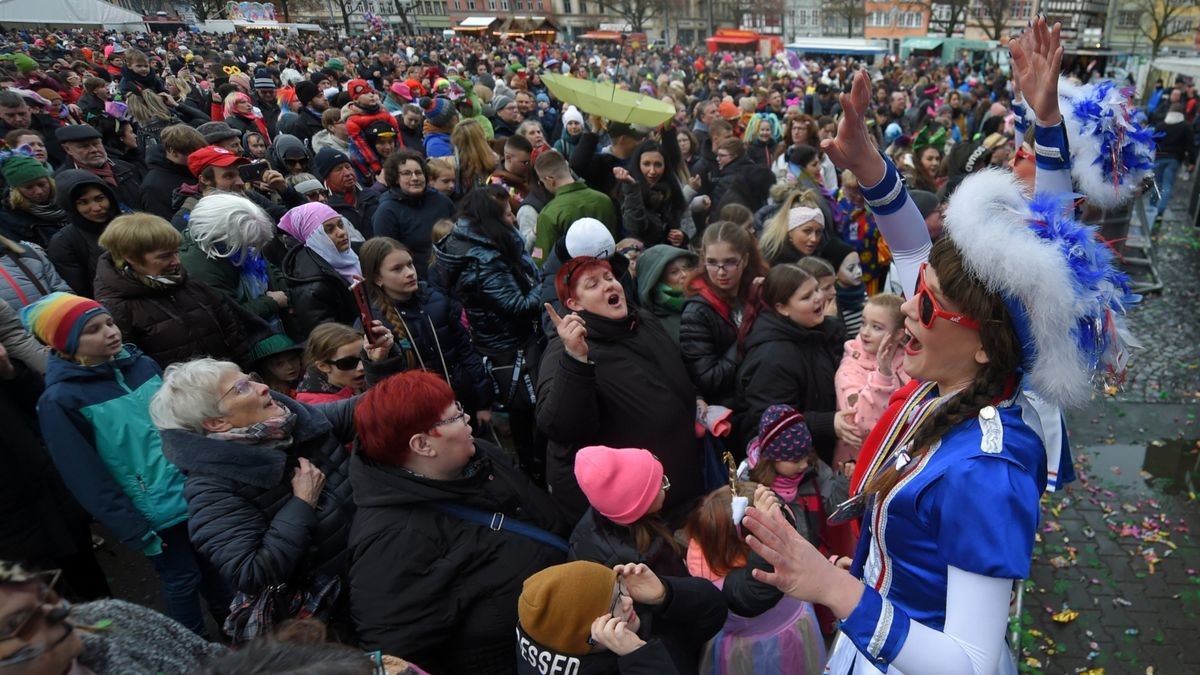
{"x": 620, "y": 483}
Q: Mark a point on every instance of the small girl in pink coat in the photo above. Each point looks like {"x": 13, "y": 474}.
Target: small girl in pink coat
{"x": 871, "y": 369}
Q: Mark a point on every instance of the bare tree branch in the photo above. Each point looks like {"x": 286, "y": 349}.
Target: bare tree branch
{"x": 853, "y": 12}
{"x": 637, "y": 13}
{"x": 1161, "y": 20}
{"x": 991, "y": 16}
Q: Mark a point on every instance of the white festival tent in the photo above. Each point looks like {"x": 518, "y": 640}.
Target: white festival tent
{"x": 66, "y": 12}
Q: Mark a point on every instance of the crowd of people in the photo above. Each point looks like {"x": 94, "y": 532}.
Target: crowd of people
{"x": 379, "y": 346}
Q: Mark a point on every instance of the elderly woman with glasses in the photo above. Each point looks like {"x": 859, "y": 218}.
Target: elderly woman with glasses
{"x": 266, "y": 476}
{"x": 446, "y": 532}
{"x": 39, "y": 632}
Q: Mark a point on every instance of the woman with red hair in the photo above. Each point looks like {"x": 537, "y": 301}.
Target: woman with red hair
{"x": 616, "y": 378}
{"x": 446, "y": 532}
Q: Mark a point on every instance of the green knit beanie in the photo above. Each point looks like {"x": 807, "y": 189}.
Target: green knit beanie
{"x": 336, "y": 64}
{"x": 24, "y": 63}
{"x": 20, "y": 170}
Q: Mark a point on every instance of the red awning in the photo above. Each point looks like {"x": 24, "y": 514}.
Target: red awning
{"x": 733, "y": 40}
{"x": 602, "y": 35}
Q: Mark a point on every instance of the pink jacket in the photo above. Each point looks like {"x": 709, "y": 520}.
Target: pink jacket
{"x": 862, "y": 389}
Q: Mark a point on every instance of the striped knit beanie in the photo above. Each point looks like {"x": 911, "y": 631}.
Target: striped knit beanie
{"x": 58, "y": 319}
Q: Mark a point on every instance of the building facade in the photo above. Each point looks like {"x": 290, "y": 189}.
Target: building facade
{"x": 894, "y": 21}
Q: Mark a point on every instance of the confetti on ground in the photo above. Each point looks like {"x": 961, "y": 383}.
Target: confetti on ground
{"x": 1065, "y": 616}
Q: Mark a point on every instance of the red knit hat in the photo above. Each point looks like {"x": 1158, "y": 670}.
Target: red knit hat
{"x": 620, "y": 483}
{"x": 357, "y": 88}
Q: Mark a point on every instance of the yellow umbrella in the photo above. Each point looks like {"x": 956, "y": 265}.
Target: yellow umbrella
{"x": 605, "y": 100}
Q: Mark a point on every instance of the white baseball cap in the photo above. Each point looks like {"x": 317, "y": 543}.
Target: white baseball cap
{"x": 588, "y": 237}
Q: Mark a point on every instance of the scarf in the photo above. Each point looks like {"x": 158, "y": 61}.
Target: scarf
{"x": 788, "y": 488}
{"x": 148, "y": 81}
{"x": 50, "y": 212}
{"x": 670, "y": 298}
{"x": 315, "y": 382}
{"x": 306, "y": 223}
{"x": 157, "y": 282}
{"x": 273, "y": 433}
{"x": 104, "y": 173}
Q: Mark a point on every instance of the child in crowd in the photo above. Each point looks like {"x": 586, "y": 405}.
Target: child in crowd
{"x": 333, "y": 365}
{"x": 632, "y": 250}
{"x": 441, "y": 175}
{"x": 826, "y": 278}
{"x": 276, "y": 361}
{"x": 850, "y": 293}
{"x": 766, "y": 631}
{"x": 364, "y": 109}
{"x": 626, "y": 489}
{"x": 871, "y": 369}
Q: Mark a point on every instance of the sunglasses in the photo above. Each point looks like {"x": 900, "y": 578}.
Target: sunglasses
{"x": 1023, "y": 155}
{"x": 345, "y": 363}
{"x": 928, "y": 309}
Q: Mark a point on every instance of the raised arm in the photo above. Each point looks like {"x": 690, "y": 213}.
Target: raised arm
{"x": 1037, "y": 60}
{"x": 897, "y": 216}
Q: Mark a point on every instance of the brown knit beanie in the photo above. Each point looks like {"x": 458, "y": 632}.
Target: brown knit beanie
{"x": 559, "y": 604}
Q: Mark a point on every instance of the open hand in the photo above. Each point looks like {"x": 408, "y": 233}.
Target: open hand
{"x": 852, "y": 147}
{"x": 1037, "y": 61}
{"x": 843, "y": 426}
{"x": 886, "y": 354}
{"x": 798, "y": 568}
{"x": 572, "y": 330}
{"x": 644, "y": 585}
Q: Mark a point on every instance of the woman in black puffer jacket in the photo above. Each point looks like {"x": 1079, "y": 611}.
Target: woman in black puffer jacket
{"x": 427, "y": 325}
{"x": 792, "y": 355}
{"x": 91, "y": 204}
{"x": 158, "y": 307}
{"x": 482, "y": 263}
{"x": 267, "y": 488}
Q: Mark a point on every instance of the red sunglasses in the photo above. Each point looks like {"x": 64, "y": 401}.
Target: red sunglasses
{"x": 1024, "y": 155}
{"x": 928, "y": 309}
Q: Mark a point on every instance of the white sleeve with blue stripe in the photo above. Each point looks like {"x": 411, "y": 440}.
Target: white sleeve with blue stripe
{"x": 1053, "y": 159}
{"x": 901, "y": 224}
{"x": 971, "y": 643}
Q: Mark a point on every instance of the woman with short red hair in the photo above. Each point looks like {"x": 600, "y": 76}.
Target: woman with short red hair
{"x": 422, "y": 558}
{"x": 616, "y": 378}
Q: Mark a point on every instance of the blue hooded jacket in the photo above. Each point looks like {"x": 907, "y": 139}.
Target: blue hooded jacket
{"x": 96, "y": 421}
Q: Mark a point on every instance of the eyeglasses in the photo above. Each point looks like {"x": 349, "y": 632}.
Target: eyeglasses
{"x": 622, "y": 592}
{"x": 451, "y": 420}
{"x": 242, "y": 386}
{"x": 345, "y": 363}
{"x": 723, "y": 265}
{"x": 928, "y": 309}
{"x": 16, "y": 624}
{"x": 409, "y": 174}
{"x": 1024, "y": 155}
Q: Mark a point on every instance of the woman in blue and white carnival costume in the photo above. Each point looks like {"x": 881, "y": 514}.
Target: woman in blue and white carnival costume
{"x": 1016, "y": 300}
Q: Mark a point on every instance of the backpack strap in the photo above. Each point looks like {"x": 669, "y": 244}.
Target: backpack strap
{"x": 497, "y": 522}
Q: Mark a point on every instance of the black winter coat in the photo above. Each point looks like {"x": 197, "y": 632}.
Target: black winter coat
{"x": 434, "y": 588}
{"x": 75, "y": 249}
{"x": 433, "y": 322}
{"x": 129, "y": 183}
{"x": 20, "y": 225}
{"x": 793, "y": 365}
{"x": 316, "y": 292}
{"x": 170, "y": 324}
{"x": 675, "y": 633}
{"x": 44, "y": 125}
{"x": 600, "y": 540}
{"x": 708, "y": 342}
{"x": 633, "y": 393}
{"x": 243, "y": 516}
{"x": 162, "y": 179}
{"x": 409, "y": 220}
{"x": 361, "y": 214}
{"x": 502, "y": 302}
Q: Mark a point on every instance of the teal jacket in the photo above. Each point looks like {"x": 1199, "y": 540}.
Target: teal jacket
{"x": 96, "y": 422}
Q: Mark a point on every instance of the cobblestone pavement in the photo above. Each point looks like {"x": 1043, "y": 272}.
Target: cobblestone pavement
{"x": 1115, "y": 586}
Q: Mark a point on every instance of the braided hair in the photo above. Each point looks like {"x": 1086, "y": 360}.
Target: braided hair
{"x": 991, "y": 380}
{"x": 372, "y": 255}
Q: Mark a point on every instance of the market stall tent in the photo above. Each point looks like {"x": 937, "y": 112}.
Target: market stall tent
{"x": 66, "y": 12}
